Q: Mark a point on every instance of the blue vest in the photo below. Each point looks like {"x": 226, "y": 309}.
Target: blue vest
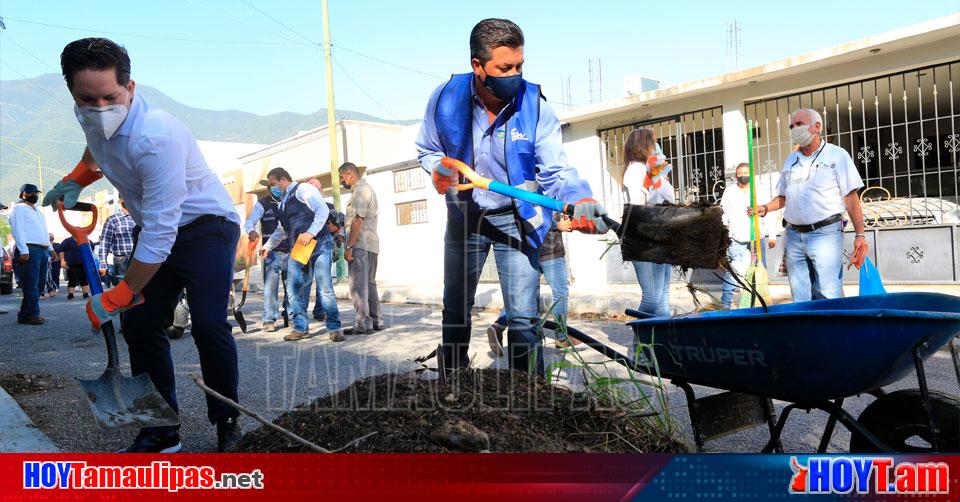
{"x": 270, "y": 220}
{"x": 454, "y": 119}
{"x": 296, "y": 218}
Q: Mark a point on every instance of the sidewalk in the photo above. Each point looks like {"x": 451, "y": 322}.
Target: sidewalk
{"x": 611, "y": 301}
{"x": 17, "y": 432}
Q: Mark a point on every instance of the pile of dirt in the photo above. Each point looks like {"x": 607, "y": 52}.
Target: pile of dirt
{"x": 475, "y": 410}
{"x": 17, "y": 384}
{"x": 689, "y": 237}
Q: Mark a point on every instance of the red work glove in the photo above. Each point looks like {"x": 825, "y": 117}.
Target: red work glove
{"x": 588, "y": 217}
{"x": 860, "y": 249}
{"x": 443, "y": 179}
{"x": 107, "y": 305}
{"x": 657, "y": 169}
{"x": 70, "y": 186}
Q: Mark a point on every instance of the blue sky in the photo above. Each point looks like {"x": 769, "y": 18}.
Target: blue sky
{"x": 221, "y": 54}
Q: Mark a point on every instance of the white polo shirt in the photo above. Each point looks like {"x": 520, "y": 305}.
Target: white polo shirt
{"x": 815, "y": 186}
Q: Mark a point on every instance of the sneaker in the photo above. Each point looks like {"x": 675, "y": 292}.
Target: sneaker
{"x": 566, "y": 343}
{"x": 495, "y": 339}
{"x": 228, "y": 434}
{"x": 337, "y": 336}
{"x": 355, "y": 331}
{"x": 296, "y": 335}
{"x": 269, "y": 326}
{"x": 379, "y": 327}
{"x": 35, "y": 321}
{"x": 148, "y": 442}
{"x": 69, "y": 296}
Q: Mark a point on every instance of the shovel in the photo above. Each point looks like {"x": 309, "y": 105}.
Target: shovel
{"x": 689, "y": 237}
{"x": 251, "y": 247}
{"x": 114, "y": 399}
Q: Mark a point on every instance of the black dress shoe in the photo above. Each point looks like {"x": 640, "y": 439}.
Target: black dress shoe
{"x": 228, "y": 433}
{"x": 355, "y": 331}
{"x": 36, "y": 321}
{"x": 147, "y": 442}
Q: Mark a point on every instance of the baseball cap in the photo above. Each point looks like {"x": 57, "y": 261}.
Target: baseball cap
{"x": 264, "y": 183}
{"x": 29, "y": 188}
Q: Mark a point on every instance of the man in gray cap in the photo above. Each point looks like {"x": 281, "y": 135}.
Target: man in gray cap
{"x": 33, "y": 245}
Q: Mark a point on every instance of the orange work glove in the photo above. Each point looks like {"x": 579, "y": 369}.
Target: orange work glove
{"x": 588, "y": 217}
{"x": 68, "y": 189}
{"x": 107, "y": 305}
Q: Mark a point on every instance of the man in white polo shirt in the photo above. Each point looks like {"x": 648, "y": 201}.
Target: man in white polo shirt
{"x": 819, "y": 182}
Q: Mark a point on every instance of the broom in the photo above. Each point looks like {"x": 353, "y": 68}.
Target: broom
{"x": 756, "y": 275}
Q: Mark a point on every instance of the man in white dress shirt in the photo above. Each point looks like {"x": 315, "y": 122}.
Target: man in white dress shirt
{"x": 34, "y": 247}
{"x": 186, "y": 233}
{"x": 819, "y": 182}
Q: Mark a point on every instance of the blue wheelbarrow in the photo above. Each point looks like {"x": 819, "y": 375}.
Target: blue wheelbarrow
{"x": 812, "y": 355}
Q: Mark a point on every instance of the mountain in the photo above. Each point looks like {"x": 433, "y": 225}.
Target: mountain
{"x": 37, "y": 115}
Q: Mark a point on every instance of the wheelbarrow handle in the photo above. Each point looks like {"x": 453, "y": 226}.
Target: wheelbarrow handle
{"x": 90, "y": 267}
{"x": 478, "y": 181}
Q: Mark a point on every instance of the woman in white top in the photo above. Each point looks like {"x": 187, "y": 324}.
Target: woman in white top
{"x": 654, "y": 278}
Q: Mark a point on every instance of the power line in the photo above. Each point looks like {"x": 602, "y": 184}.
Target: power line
{"x": 414, "y": 70}
{"x": 259, "y": 28}
{"x": 48, "y": 65}
{"x": 345, "y": 72}
{"x": 154, "y": 37}
{"x": 275, "y": 20}
{"x": 48, "y": 93}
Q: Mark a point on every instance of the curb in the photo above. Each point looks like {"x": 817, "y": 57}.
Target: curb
{"x": 17, "y": 432}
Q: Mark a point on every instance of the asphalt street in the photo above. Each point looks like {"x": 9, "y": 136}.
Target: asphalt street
{"x": 276, "y": 375}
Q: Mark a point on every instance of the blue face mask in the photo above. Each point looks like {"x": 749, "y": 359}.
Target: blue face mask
{"x": 504, "y": 88}
{"x": 276, "y": 192}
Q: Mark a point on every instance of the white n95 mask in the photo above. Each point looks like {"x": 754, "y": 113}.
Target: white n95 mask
{"x": 801, "y": 135}
{"x": 101, "y": 120}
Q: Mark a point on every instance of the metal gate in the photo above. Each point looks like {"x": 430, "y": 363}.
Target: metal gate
{"x": 903, "y": 132}
{"x": 692, "y": 142}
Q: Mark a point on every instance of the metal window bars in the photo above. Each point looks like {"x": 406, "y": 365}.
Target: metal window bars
{"x": 902, "y": 131}
{"x": 692, "y": 142}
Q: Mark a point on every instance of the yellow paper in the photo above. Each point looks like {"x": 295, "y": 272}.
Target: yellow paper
{"x": 301, "y": 254}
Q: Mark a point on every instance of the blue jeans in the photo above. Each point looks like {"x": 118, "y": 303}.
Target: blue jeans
{"x": 299, "y": 281}
{"x": 555, "y": 271}
{"x": 201, "y": 261}
{"x": 33, "y": 281}
{"x": 467, "y": 243}
{"x": 654, "y": 279}
{"x": 317, "y": 301}
{"x": 273, "y": 267}
{"x": 739, "y": 255}
{"x": 815, "y": 263}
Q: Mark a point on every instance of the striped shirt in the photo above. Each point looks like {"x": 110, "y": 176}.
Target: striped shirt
{"x": 116, "y": 237}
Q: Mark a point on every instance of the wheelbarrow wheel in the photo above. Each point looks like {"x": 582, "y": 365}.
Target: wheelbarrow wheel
{"x": 898, "y": 420}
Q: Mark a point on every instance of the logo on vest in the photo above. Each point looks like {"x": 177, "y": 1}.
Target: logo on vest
{"x": 516, "y": 135}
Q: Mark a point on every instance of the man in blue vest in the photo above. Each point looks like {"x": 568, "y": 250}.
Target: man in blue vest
{"x": 500, "y": 124}
{"x": 267, "y": 211}
{"x": 303, "y": 217}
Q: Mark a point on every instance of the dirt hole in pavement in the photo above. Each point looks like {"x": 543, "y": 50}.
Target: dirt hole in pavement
{"x": 17, "y": 384}
{"x": 476, "y": 410}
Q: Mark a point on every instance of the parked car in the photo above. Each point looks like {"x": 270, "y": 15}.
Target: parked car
{"x": 6, "y": 274}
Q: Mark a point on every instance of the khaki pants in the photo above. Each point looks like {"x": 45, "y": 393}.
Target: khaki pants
{"x": 363, "y": 290}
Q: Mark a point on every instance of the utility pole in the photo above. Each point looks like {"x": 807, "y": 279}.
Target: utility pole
{"x": 332, "y": 128}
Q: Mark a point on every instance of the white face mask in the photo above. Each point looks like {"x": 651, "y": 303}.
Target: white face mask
{"x": 801, "y": 135}
{"x": 102, "y": 120}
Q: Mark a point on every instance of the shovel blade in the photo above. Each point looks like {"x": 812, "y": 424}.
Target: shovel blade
{"x": 241, "y": 321}
{"x": 118, "y": 401}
